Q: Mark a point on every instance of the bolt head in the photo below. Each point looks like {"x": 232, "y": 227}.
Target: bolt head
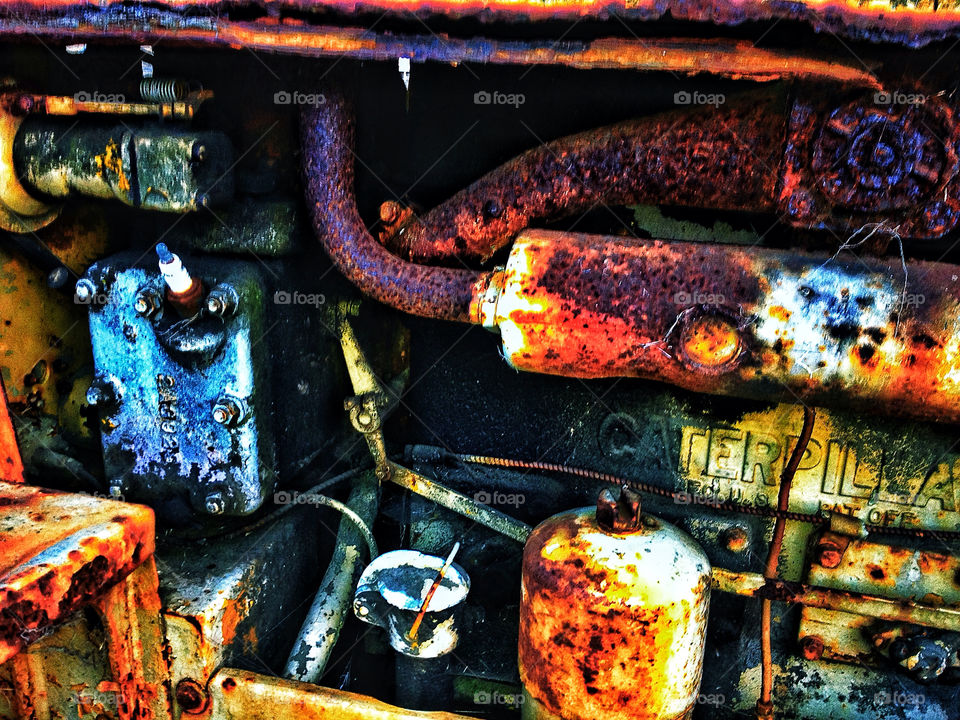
{"x": 147, "y": 303}
{"x": 85, "y": 291}
{"x": 735, "y": 539}
{"x": 227, "y": 412}
{"x": 811, "y": 647}
{"x": 214, "y": 503}
{"x": 829, "y": 556}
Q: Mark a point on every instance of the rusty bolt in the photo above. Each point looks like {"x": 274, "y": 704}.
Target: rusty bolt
{"x": 710, "y": 341}
{"x": 147, "y": 303}
{"x": 191, "y": 697}
{"x": 228, "y": 412}
{"x": 619, "y": 513}
{"x": 811, "y": 647}
{"x": 223, "y": 300}
{"x": 85, "y": 291}
{"x": 215, "y": 503}
{"x": 104, "y": 392}
{"x": 198, "y": 153}
{"x": 829, "y": 554}
{"x": 390, "y": 212}
{"x": 735, "y": 539}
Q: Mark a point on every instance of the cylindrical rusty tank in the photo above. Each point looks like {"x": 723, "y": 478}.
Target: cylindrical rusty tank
{"x": 613, "y": 616}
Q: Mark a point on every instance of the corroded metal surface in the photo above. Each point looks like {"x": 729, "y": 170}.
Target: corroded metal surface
{"x": 890, "y": 160}
{"x": 242, "y": 695}
{"x": 826, "y": 329}
{"x": 60, "y": 551}
{"x": 912, "y": 24}
{"x": 864, "y": 162}
{"x": 11, "y": 465}
{"x": 845, "y": 601}
{"x": 327, "y": 136}
{"x": 716, "y": 157}
{"x": 612, "y": 626}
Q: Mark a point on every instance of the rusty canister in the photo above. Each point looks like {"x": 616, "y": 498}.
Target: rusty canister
{"x": 613, "y": 616}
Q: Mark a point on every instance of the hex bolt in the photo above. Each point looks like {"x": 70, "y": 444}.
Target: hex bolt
{"x": 829, "y": 554}
{"x": 228, "y": 412}
{"x": 223, "y": 300}
{"x": 215, "y": 503}
{"x": 198, "y": 153}
{"x": 147, "y": 303}
{"x": 811, "y": 647}
{"x": 85, "y": 291}
{"x": 103, "y": 392}
{"x": 191, "y": 697}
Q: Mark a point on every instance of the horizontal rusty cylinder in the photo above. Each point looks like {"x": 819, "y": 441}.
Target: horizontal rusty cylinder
{"x": 327, "y": 136}
{"x": 722, "y": 157}
{"x": 887, "y": 158}
{"x": 755, "y": 585}
{"x": 727, "y": 320}
{"x": 913, "y": 24}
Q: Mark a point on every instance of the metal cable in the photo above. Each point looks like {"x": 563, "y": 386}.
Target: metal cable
{"x": 771, "y": 512}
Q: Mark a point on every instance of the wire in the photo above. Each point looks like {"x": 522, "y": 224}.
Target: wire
{"x": 771, "y": 572}
{"x": 810, "y": 518}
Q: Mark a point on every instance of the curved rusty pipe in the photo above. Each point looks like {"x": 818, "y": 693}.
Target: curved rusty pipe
{"x": 326, "y": 132}
{"x": 723, "y": 157}
{"x": 877, "y": 159}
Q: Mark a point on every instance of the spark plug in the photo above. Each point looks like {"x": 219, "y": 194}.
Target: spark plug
{"x": 183, "y": 291}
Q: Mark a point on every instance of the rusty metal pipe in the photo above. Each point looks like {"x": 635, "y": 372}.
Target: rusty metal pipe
{"x": 321, "y": 628}
{"x": 723, "y": 157}
{"x": 756, "y": 585}
{"x": 837, "y": 167}
{"x": 728, "y": 320}
{"x": 327, "y": 137}
{"x": 243, "y": 695}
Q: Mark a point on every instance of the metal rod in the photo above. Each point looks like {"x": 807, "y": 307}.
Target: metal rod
{"x": 756, "y": 585}
{"x": 459, "y": 503}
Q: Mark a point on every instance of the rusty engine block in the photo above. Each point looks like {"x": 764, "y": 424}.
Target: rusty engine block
{"x": 434, "y": 359}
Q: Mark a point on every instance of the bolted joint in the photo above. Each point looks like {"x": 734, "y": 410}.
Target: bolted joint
{"x": 104, "y": 392}
{"x": 223, "y": 300}
{"x": 619, "y": 513}
{"x": 215, "y": 503}
{"x": 364, "y": 412}
{"x": 830, "y": 549}
{"x": 811, "y": 647}
{"x": 148, "y": 303}
{"x": 229, "y": 411}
